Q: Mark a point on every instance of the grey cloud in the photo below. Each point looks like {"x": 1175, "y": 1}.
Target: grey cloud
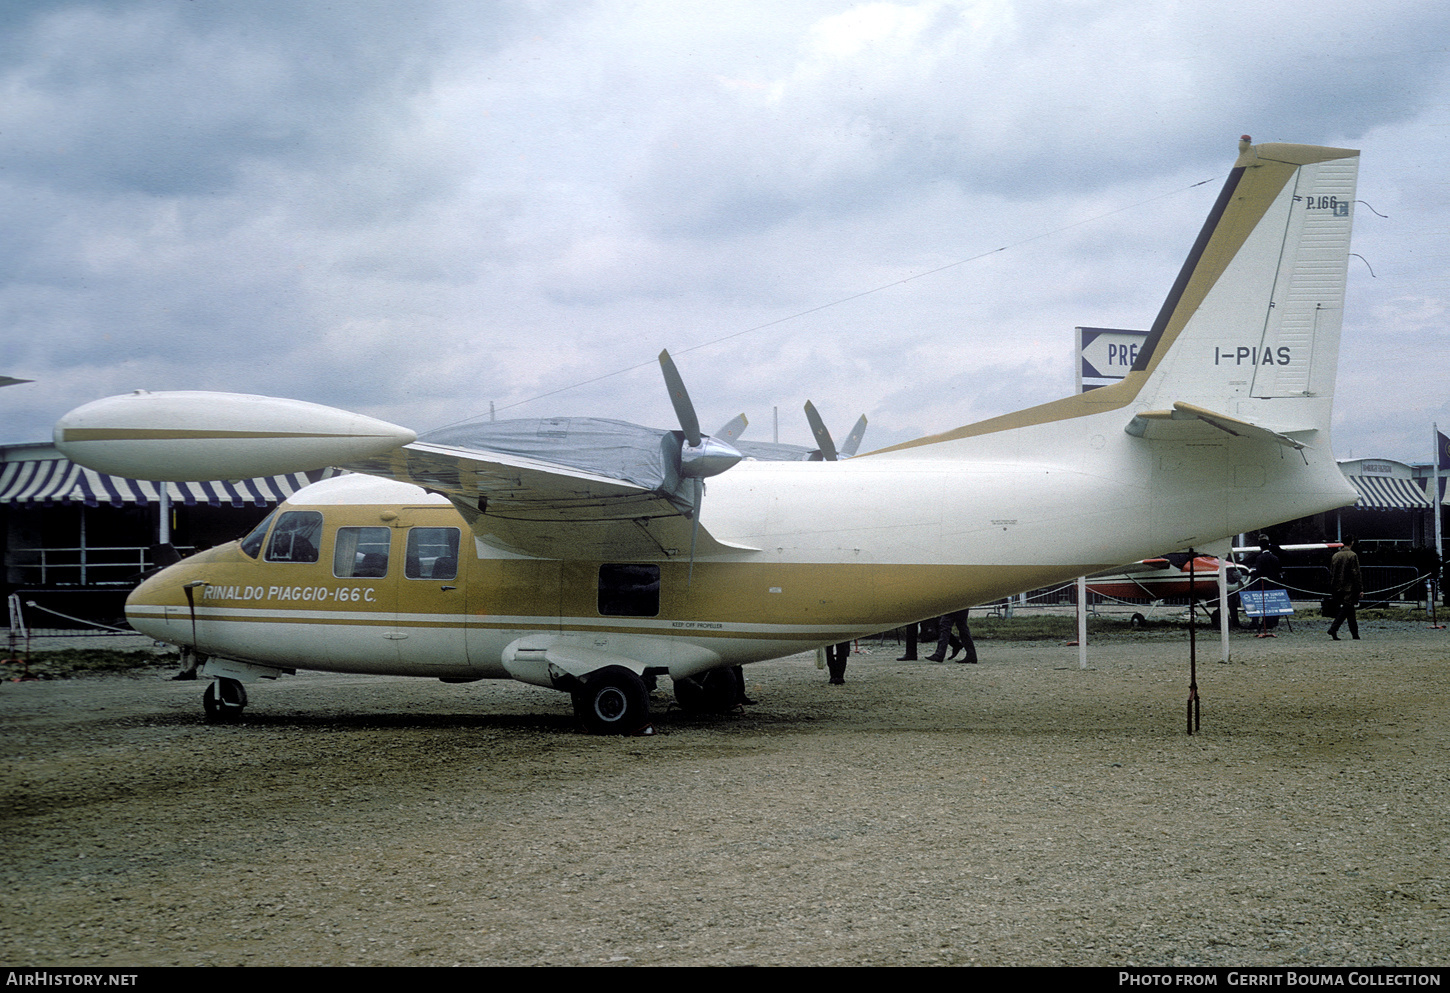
{"x": 170, "y": 98}
{"x": 1033, "y": 99}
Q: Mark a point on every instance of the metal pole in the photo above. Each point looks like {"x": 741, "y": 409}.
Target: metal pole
{"x": 1223, "y": 605}
{"x": 1439, "y": 512}
{"x": 1192, "y": 646}
{"x": 1082, "y": 622}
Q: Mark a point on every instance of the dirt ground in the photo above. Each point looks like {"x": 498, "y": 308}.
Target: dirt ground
{"x": 1018, "y": 812}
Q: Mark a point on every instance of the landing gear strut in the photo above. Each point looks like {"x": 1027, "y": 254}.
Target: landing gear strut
{"x": 613, "y": 700}
{"x": 223, "y": 700}
{"x": 718, "y": 691}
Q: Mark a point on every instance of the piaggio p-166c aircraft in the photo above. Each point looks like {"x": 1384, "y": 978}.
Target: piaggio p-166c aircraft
{"x": 588, "y": 556}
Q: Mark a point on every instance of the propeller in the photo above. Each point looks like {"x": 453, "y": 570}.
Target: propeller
{"x": 829, "y": 452}
{"x": 699, "y": 455}
{"x": 733, "y": 429}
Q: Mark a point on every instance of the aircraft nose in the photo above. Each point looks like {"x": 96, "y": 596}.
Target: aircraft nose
{"x": 158, "y": 607}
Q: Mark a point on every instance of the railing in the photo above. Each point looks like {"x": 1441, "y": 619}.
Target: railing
{"x": 1382, "y": 584}
{"x": 106, "y": 565}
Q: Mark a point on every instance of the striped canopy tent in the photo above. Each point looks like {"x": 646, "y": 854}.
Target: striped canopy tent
{"x": 1389, "y": 493}
{"x": 46, "y": 482}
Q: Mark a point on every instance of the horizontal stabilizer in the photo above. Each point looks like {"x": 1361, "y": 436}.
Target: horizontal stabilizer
{"x": 1142, "y": 425}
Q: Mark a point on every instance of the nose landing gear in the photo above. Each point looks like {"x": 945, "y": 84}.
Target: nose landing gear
{"x": 223, "y": 700}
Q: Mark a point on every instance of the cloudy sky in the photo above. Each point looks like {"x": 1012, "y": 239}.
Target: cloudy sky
{"x": 416, "y": 209}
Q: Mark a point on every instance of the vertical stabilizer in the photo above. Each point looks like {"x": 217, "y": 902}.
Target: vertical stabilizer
{"x": 1251, "y": 326}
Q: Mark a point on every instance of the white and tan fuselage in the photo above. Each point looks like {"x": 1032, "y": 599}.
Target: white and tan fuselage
{"x": 843, "y": 549}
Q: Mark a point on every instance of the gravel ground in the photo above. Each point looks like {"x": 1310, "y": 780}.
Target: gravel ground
{"x": 1018, "y": 812}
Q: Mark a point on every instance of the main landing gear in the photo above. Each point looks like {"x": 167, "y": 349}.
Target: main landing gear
{"x": 718, "y": 691}
{"x": 223, "y": 700}
{"x": 613, "y": 700}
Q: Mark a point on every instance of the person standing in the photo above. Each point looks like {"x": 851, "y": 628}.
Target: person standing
{"x": 1345, "y": 583}
{"x": 1269, "y": 574}
{"x": 957, "y": 618}
{"x": 1267, "y": 566}
{"x": 910, "y": 655}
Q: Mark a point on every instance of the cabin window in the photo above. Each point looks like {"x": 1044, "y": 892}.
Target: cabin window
{"x": 252, "y": 543}
{"x": 432, "y": 553}
{"x": 627, "y": 590}
{"x": 361, "y": 553}
{"x": 296, "y": 537}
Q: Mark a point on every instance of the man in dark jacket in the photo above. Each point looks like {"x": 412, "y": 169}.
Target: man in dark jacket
{"x": 1345, "y": 583}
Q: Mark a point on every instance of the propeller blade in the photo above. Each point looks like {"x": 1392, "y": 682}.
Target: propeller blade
{"x": 680, "y": 397}
{"x": 853, "y": 440}
{"x": 700, "y": 455}
{"x": 733, "y": 430}
{"x": 823, "y": 437}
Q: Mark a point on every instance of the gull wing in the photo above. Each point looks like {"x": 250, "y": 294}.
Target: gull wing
{"x": 534, "y": 507}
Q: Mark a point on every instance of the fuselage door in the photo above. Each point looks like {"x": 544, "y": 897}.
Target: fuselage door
{"x": 363, "y": 594}
{"x": 432, "y": 590}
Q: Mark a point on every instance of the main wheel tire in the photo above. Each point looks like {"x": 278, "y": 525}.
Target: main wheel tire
{"x": 714, "y": 692}
{"x": 223, "y": 700}
{"x": 612, "y": 701}
{"x": 1137, "y": 622}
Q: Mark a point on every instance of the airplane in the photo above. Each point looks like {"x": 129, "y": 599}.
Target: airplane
{"x": 589, "y": 556}
{"x": 1169, "y": 576}
{"x": 1164, "y": 576}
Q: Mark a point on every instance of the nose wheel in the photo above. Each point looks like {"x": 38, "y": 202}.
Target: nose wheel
{"x": 223, "y": 700}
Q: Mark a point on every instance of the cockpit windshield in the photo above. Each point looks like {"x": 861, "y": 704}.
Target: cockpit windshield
{"x": 252, "y": 543}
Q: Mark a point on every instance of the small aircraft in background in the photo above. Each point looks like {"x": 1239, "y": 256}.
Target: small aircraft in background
{"x": 1163, "y": 577}
{"x": 583, "y": 555}
{"x": 1177, "y": 576}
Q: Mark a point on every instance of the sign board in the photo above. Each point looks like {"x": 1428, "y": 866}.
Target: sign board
{"x": 1105, "y": 355}
{"x": 1266, "y": 603}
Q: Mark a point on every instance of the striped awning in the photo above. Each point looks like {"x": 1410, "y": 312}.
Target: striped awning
{"x": 1388, "y": 493}
{"x": 51, "y": 481}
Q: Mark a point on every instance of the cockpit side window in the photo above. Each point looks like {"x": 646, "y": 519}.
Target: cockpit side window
{"x": 432, "y": 553}
{"x": 252, "y": 543}
{"x": 296, "y": 537}
{"x": 361, "y": 553}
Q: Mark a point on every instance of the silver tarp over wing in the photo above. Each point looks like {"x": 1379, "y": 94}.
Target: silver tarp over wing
{"x": 596, "y": 445}
{"x": 616, "y": 449}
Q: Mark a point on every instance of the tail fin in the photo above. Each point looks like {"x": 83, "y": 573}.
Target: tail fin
{"x": 1251, "y": 327}
{"x": 1248, "y": 340}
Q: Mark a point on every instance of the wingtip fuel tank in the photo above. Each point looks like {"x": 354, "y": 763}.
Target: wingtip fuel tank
{"x": 193, "y": 435}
